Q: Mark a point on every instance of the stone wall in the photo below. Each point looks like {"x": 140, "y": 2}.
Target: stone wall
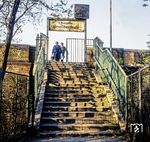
{"x": 132, "y": 57}
{"x": 128, "y": 57}
{"x": 20, "y": 58}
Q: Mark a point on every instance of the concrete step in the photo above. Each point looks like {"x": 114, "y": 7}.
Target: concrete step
{"x": 74, "y": 99}
{"x": 75, "y": 108}
{"x": 79, "y": 127}
{"x": 75, "y": 104}
{"x": 75, "y": 91}
{"x": 57, "y": 83}
{"x": 76, "y": 133}
{"x": 79, "y": 114}
{"x": 75, "y": 87}
{"x": 76, "y": 120}
{"x": 74, "y": 95}
{"x": 60, "y": 84}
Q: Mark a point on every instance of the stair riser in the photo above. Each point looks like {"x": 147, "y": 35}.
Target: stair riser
{"x": 77, "y": 135}
{"x": 73, "y": 85}
{"x": 79, "y": 115}
{"x": 78, "y": 109}
{"x": 73, "y": 121}
{"x": 75, "y": 104}
{"x": 72, "y": 100}
{"x": 77, "y": 128}
{"x": 56, "y": 95}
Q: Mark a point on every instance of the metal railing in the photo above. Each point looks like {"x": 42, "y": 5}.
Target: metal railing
{"x": 40, "y": 62}
{"x": 113, "y": 73}
{"x": 132, "y": 91}
{"x": 15, "y": 106}
{"x": 139, "y": 102}
{"x": 17, "y": 98}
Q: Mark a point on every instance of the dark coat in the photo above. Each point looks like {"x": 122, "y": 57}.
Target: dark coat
{"x": 56, "y": 52}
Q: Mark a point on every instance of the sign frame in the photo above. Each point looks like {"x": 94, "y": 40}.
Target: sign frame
{"x": 66, "y": 25}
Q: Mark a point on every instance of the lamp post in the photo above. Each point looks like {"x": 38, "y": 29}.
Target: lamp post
{"x": 110, "y": 25}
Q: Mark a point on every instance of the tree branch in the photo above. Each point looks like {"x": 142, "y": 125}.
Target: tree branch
{"x": 26, "y": 10}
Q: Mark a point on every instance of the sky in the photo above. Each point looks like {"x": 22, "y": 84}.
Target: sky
{"x": 130, "y": 23}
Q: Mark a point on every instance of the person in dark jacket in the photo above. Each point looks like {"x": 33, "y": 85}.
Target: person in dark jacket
{"x": 63, "y": 51}
{"x": 56, "y": 52}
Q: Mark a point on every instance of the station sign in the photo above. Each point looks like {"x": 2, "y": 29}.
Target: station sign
{"x": 67, "y": 25}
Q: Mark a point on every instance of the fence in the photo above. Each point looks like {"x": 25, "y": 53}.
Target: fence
{"x": 139, "y": 103}
{"x": 76, "y": 49}
{"x": 15, "y": 106}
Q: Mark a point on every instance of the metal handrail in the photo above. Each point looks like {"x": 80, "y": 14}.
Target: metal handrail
{"x": 106, "y": 50}
{"x": 40, "y": 62}
{"x": 146, "y": 66}
{"x": 114, "y": 74}
{"x": 133, "y": 83}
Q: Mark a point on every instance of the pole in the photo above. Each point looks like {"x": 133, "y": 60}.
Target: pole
{"x": 47, "y": 33}
{"x": 140, "y": 101}
{"x": 111, "y": 26}
{"x": 85, "y": 39}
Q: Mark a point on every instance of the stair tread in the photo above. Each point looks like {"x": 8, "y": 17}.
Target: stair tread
{"x": 76, "y": 132}
{"x": 83, "y": 125}
{"x": 75, "y": 103}
{"x": 109, "y": 113}
{"x": 68, "y": 102}
{"x": 74, "y": 107}
{"x": 76, "y": 118}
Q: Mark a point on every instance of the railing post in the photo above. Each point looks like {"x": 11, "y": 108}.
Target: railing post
{"x": 140, "y": 97}
{"x": 140, "y": 102}
{"x": 15, "y": 113}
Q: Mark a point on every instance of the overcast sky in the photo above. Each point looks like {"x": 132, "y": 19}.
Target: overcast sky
{"x": 131, "y": 24}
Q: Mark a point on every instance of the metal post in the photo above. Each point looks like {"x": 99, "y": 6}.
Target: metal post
{"x": 16, "y": 111}
{"x": 140, "y": 102}
{"x": 111, "y": 26}
{"x": 85, "y": 39}
{"x": 47, "y": 39}
{"x": 140, "y": 93}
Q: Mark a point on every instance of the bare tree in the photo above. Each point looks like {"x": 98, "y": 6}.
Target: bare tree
{"x": 15, "y": 13}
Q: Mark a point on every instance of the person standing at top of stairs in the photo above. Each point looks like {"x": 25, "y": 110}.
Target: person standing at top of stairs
{"x": 56, "y": 52}
{"x": 64, "y": 50}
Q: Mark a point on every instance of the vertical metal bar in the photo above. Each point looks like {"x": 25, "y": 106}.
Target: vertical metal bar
{"x": 111, "y": 26}
{"x": 140, "y": 102}
{"x": 48, "y": 24}
{"x": 74, "y": 47}
{"x": 67, "y": 50}
{"x": 126, "y": 101}
{"x": 28, "y": 103}
{"x": 16, "y": 97}
{"x": 131, "y": 95}
{"x": 85, "y": 39}
{"x": 140, "y": 96}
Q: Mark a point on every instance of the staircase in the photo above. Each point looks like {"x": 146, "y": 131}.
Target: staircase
{"x": 75, "y": 104}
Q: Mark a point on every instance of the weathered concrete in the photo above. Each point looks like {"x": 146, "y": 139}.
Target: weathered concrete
{"x": 20, "y": 60}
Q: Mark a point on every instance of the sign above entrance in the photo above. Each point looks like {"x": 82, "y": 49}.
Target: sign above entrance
{"x": 67, "y": 25}
{"x": 81, "y": 11}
